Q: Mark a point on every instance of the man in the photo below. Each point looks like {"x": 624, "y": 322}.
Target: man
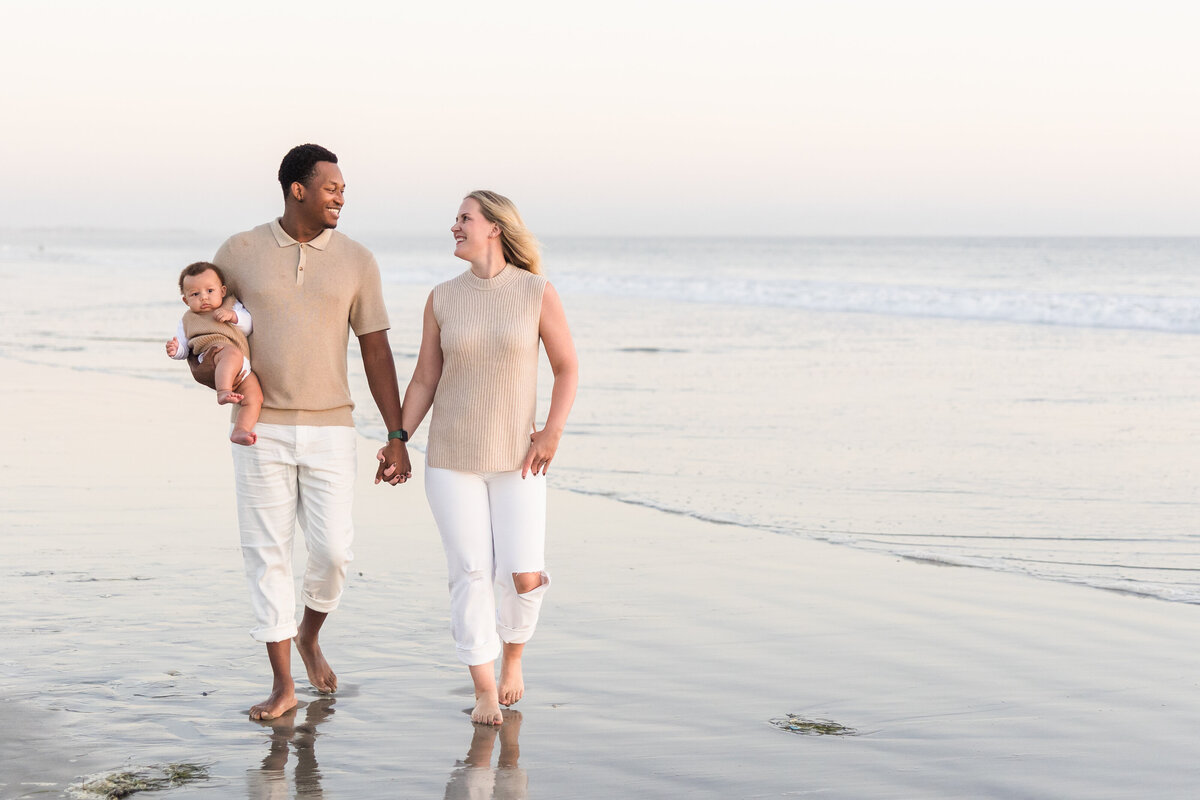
{"x": 307, "y": 286}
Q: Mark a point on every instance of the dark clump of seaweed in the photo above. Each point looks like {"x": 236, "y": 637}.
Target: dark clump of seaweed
{"x": 793, "y": 723}
{"x": 151, "y": 779}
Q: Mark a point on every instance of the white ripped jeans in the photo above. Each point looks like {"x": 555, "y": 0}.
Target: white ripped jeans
{"x": 493, "y": 525}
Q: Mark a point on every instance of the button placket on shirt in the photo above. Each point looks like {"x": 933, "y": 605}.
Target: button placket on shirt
{"x": 300, "y": 266}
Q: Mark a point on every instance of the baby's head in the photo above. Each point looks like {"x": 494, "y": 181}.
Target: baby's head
{"x": 202, "y": 286}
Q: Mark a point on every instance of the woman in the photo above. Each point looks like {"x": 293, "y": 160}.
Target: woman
{"x": 486, "y": 462}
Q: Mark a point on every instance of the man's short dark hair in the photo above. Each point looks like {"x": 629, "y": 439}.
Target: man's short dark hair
{"x": 300, "y": 163}
{"x": 199, "y": 268}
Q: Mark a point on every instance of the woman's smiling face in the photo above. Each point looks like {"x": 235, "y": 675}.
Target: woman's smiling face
{"x": 472, "y": 231}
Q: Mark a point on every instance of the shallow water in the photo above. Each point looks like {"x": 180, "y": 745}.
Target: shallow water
{"x": 1009, "y": 404}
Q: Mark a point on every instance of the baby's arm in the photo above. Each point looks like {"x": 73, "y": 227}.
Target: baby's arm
{"x": 178, "y": 348}
{"x": 236, "y": 315}
{"x": 227, "y": 312}
{"x": 243, "y": 322}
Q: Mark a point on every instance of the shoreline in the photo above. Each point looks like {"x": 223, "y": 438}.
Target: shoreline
{"x": 665, "y": 650}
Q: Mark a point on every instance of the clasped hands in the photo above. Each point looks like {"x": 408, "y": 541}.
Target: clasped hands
{"x": 394, "y": 466}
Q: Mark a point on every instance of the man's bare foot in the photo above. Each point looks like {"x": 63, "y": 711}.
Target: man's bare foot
{"x": 320, "y": 674}
{"x": 243, "y": 437}
{"x": 487, "y": 709}
{"x": 483, "y": 739}
{"x": 224, "y": 397}
{"x": 279, "y": 703}
{"x": 512, "y": 684}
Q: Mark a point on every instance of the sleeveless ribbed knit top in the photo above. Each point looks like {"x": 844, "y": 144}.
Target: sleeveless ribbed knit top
{"x": 202, "y": 331}
{"x": 486, "y": 399}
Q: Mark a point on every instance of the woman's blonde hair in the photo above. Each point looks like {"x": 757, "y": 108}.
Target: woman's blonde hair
{"x": 520, "y": 246}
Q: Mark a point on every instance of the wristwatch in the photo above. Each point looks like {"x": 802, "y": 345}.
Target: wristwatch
{"x": 401, "y": 434}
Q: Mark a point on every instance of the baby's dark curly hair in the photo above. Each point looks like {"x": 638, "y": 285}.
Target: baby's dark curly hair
{"x": 199, "y": 268}
{"x": 300, "y": 163}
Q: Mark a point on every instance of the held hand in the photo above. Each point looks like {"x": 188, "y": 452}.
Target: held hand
{"x": 542, "y": 446}
{"x": 394, "y": 466}
{"x": 172, "y": 347}
{"x": 225, "y": 315}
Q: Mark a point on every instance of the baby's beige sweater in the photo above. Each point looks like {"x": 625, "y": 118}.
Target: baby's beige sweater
{"x": 202, "y": 331}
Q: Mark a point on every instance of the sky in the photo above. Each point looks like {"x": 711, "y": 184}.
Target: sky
{"x": 696, "y": 118}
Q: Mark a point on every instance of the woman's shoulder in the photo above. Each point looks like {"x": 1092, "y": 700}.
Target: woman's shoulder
{"x": 451, "y": 291}
{"x": 531, "y": 281}
{"x": 451, "y": 284}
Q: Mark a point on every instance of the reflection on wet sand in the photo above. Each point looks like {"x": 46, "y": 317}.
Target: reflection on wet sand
{"x": 474, "y": 779}
{"x": 269, "y": 782}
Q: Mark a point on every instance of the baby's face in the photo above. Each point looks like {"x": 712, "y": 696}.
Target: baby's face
{"x": 203, "y": 292}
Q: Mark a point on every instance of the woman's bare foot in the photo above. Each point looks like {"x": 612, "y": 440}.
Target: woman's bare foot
{"x": 512, "y": 684}
{"x": 281, "y": 701}
{"x": 487, "y": 709}
{"x": 243, "y": 437}
{"x": 224, "y": 397}
{"x": 320, "y": 674}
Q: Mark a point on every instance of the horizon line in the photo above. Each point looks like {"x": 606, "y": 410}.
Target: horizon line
{"x": 34, "y": 229}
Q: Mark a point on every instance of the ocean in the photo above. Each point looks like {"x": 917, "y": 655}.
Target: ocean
{"x": 1022, "y": 405}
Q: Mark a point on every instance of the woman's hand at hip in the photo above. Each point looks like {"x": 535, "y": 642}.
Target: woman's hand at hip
{"x": 542, "y": 446}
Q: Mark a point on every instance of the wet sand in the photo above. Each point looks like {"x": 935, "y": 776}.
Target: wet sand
{"x": 666, "y": 647}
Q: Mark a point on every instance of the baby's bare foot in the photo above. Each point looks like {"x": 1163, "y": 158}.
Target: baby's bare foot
{"x": 279, "y": 703}
{"x": 320, "y": 674}
{"x": 224, "y": 397}
{"x": 512, "y": 684}
{"x": 243, "y": 437}
{"x": 487, "y": 710}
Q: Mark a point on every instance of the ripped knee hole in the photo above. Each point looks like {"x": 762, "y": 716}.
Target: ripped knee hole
{"x": 526, "y": 582}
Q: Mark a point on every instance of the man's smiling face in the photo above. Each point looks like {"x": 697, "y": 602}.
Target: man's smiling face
{"x": 324, "y": 196}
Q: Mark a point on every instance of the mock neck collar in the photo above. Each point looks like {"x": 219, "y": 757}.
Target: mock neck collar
{"x": 501, "y": 278}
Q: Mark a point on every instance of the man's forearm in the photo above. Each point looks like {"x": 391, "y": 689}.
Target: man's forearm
{"x": 380, "y": 367}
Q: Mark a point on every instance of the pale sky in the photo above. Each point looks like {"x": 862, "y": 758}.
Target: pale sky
{"x": 617, "y": 118}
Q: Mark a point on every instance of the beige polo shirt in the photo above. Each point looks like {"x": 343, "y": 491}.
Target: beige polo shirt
{"x": 305, "y": 299}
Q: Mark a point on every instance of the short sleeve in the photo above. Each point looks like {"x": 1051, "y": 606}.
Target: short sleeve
{"x": 368, "y": 313}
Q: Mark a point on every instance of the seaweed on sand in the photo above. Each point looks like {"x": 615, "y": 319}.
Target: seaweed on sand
{"x": 794, "y": 723}
{"x": 155, "y": 778}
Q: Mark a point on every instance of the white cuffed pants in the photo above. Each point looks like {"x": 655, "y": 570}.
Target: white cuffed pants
{"x": 294, "y": 474}
{"x": 493, "y": 525}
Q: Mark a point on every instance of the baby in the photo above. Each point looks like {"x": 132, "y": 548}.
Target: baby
{"x": 216, "y": 326}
